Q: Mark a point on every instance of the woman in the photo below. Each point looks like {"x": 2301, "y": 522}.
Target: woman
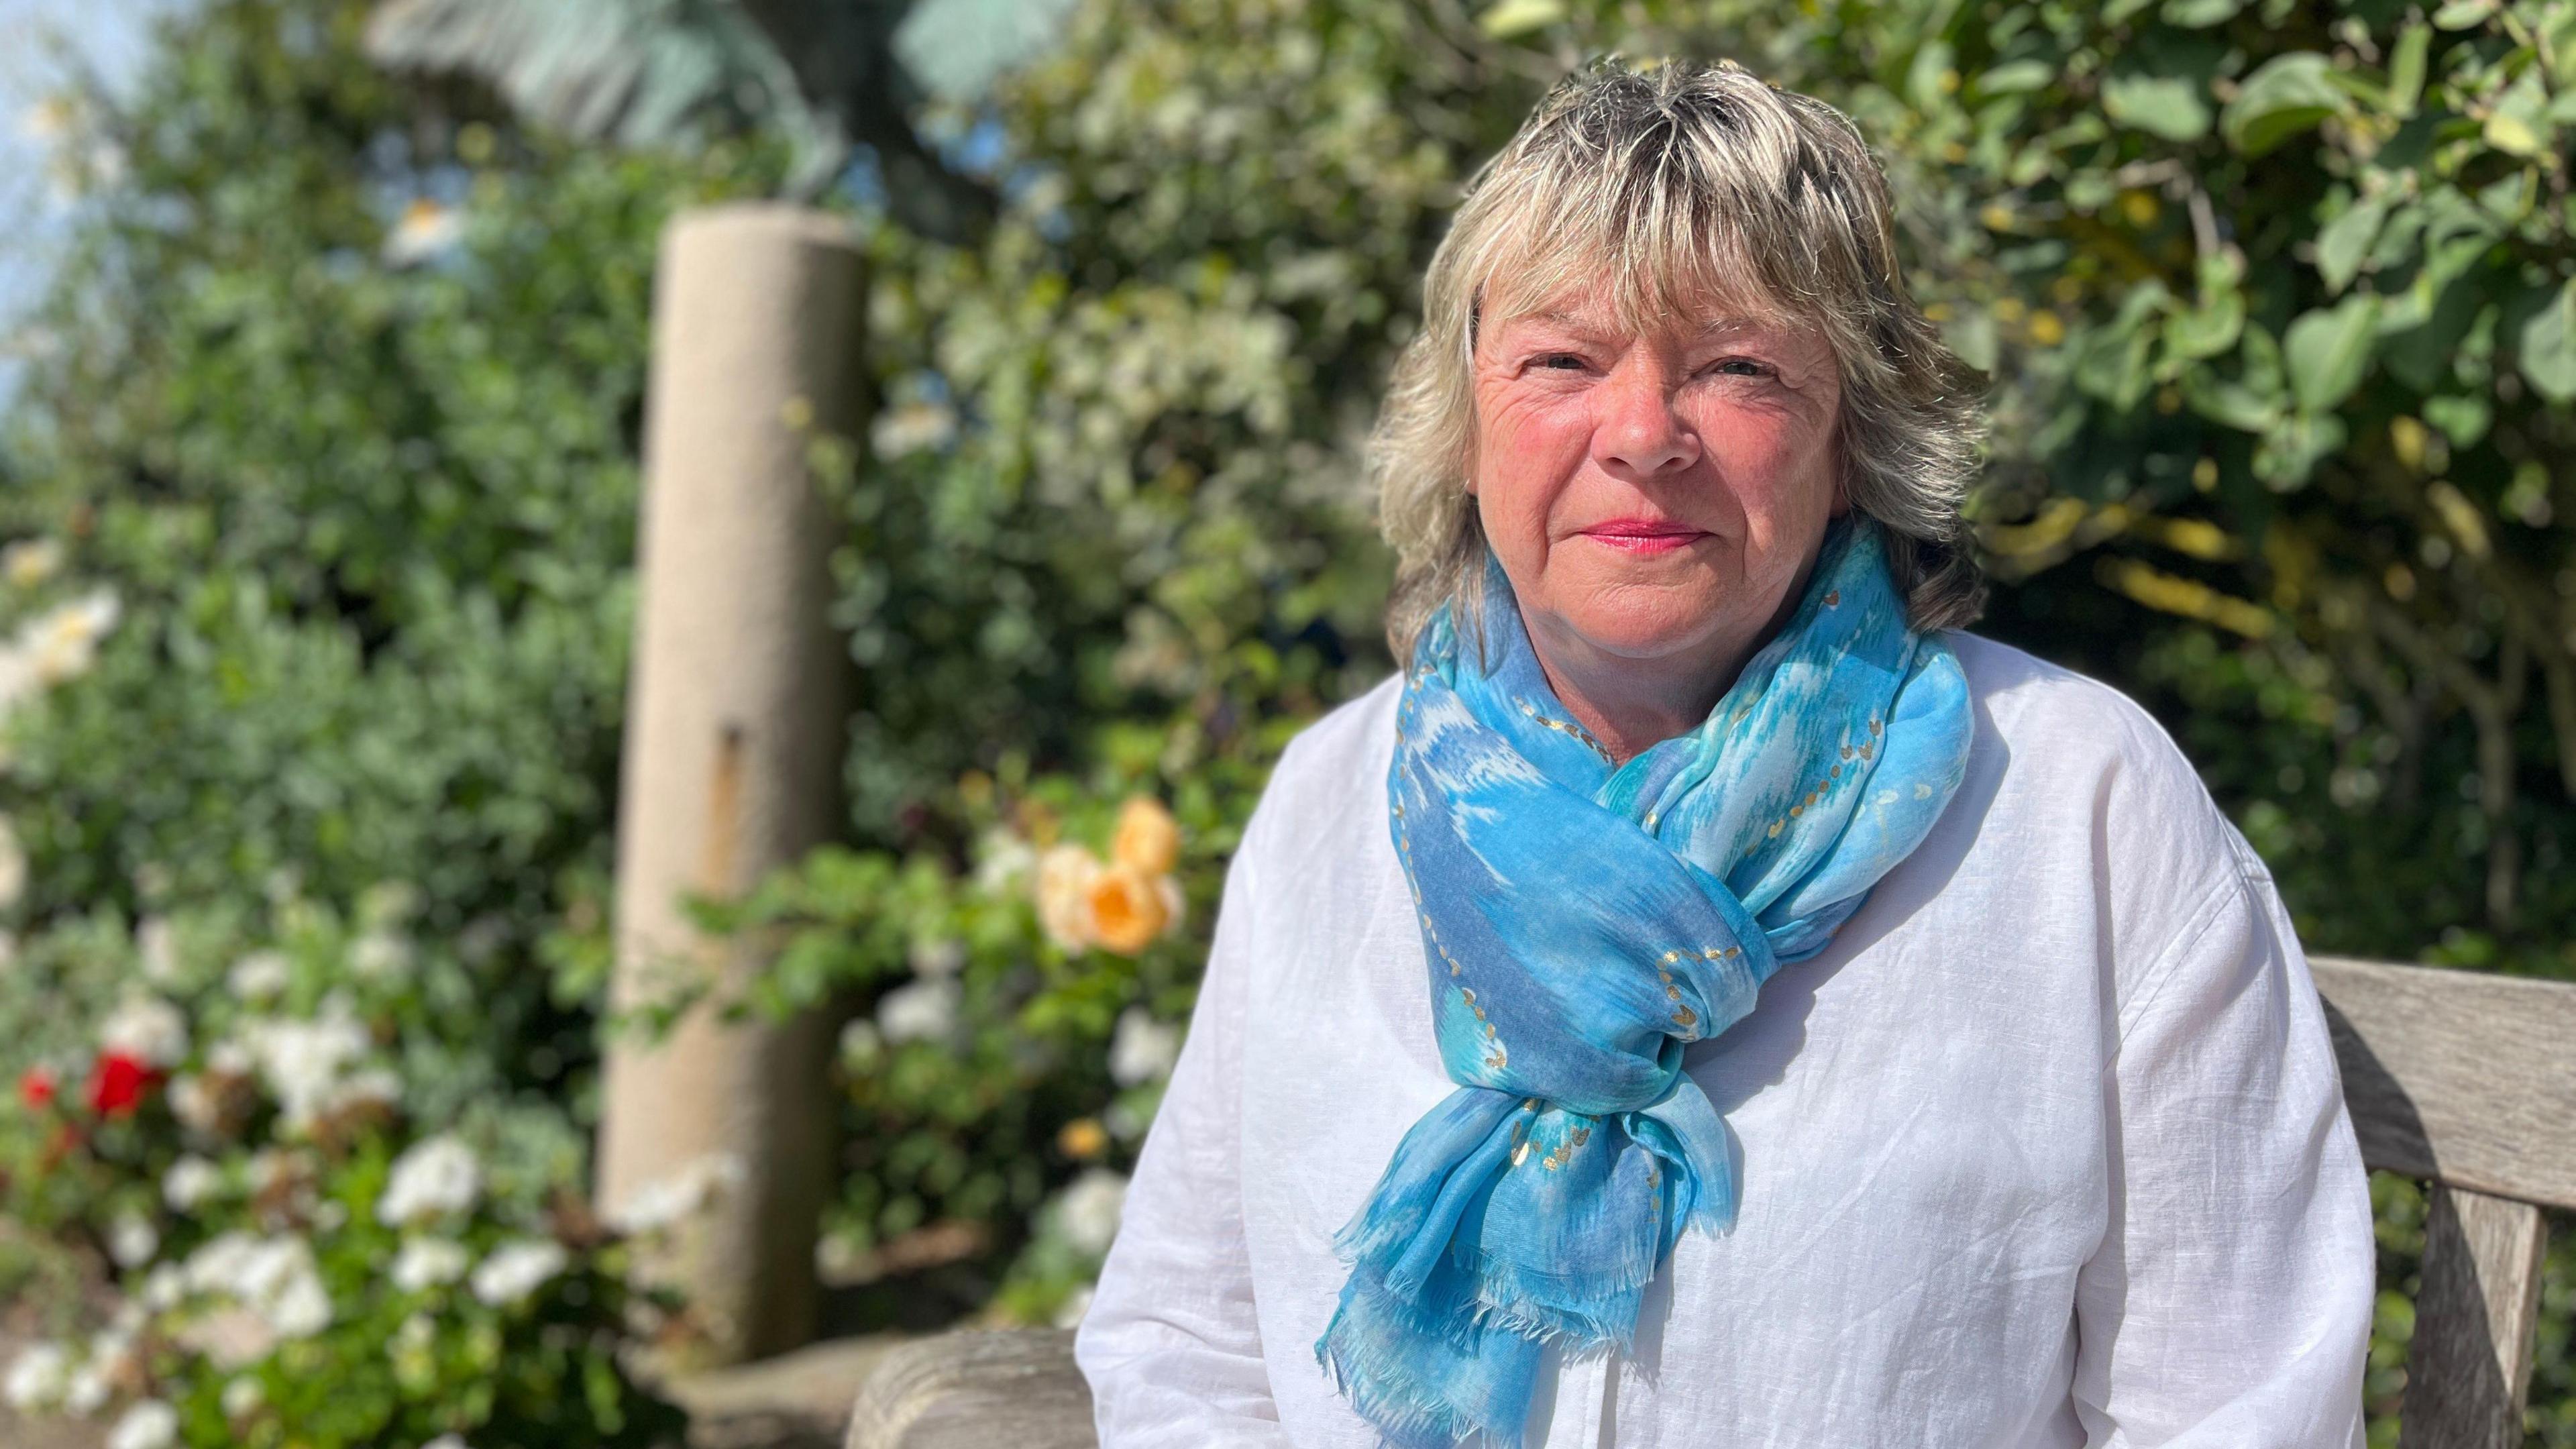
{"x": 1840, "y": 1029}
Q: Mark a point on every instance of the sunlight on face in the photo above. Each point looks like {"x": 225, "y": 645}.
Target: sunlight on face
{"x": 1653, "y": 497}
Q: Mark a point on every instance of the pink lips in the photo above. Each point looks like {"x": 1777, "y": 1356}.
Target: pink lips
{"x": 1644, "y": 535}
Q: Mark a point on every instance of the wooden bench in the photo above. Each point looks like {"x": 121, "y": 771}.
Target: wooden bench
{"x": 2465, "y": 1080}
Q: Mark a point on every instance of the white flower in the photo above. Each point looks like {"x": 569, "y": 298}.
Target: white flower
{"x": 374, "y": 1085}
{"x": 190, "y": 1181}
{"x": 37, "y": 1377}
{"x": 13, "y": 865}
{"x": 86, "y": 1392}
{"x": 1002, "y": 861}
{"x": 147, "y": 1028}
{"x": 156, "y": 945}
{"x": 303, "y": 1061}
{"x": 389, "y": 902}
{"x": 860, "y": 1041}
{"x": 924, "y": 1010}
{"x": 1143, "y": 1049}
{"x": 658, "y": 1205}
{"x": 62, "y": 643}
{"x": 438, "y": 1175}
{"x": 132, "y": 1240}
{"x": 163, "y": 1287}
{"x": 937, "y": 958}
{"x": 1065, "y": 877}
{"x": 195, "y": 1105}
{"x": 1087, "y": 1212}
{"x": 379, "y": 956}
{"x": 31, "y": 561}
{"x": 1077, "y": 1304}
{"x": 259, "y": 975}
{"x": 301, "y": 1308}
{"x": 274, "y": 1278}
{"x": 425, "y": 230}
{"x": 446, "y": 1441}
{"x": 515, "y": 1270}
{"x": 426, "y": 1263}
{"x": 150, "y": 1424}
{"x": 911, "y": 427}
{"x": 243, "y": 1396}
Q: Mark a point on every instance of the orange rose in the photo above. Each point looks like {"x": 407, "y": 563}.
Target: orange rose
{"x": 1127, "y": 911}
{"x": 1148, "y": 838}
{"x": 1083, "y": 1137}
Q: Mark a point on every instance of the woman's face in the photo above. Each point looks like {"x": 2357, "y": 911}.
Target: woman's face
{"x": 1657, "y": 496}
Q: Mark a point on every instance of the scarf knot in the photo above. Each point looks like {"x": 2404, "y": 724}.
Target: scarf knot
{"x": 1583, "y": 923}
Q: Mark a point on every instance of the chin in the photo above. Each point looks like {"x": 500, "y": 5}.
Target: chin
{"x": 1646, "y": 630}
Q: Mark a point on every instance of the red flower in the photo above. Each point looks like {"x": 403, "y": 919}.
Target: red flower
{"x": 36, "y": 1088}
{"x": 117, "y": 1084}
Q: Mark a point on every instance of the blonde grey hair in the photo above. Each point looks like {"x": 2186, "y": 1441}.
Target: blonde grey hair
{"x": 1684, "y": 185}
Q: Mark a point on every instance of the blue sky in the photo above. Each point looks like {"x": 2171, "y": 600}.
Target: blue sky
{"x": 108, "y": 37}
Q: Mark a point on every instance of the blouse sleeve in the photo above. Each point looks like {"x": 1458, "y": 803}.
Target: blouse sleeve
{"x": 2230, "y": 1301}
{"x": 1169, "y": 1343}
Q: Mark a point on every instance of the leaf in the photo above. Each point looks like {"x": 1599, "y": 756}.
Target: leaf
{"x": 2287, "y": 95}
{"x": 2230, "y": 403}
{"x": 2519, "y": 125}
{"x": 2548, "y": 347}
{"x": 2463, "y": 14}
{"x": 1970, "y": 332}
{"x": 2463, "y": 420}
{"x": 2346, "y": 240}
{"x": 2166, "y": 106}
{"x": 2015, "y": 76}
{"x": 2199, "y": 14}
{"x": 2406, "y": 68}
{"x": 2328, "y": 351}
{"x": 2208, "y": 329}
{"x": 1520, "y": 17}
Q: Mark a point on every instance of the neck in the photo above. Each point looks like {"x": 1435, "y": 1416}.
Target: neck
{"x": 1631, "y": 704}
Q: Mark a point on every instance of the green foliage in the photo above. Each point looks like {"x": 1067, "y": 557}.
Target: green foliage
{"x": 341, "y": 400}
{"x": 2276, "y": 297}
{"x": 332, "y": 1225}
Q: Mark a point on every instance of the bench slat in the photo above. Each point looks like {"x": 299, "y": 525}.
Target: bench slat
{"x": 2461, "y": 1077}
{"x": 1014, "y": 1388}
{"x": 2469, "y": 1369}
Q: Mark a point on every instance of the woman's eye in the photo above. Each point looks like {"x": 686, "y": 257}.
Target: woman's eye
{"x": 1559, "y": 360}
{"x": 1750, "y": 368}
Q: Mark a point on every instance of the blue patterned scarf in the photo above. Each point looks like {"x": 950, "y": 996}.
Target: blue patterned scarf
{"x": 1583, "y": 924}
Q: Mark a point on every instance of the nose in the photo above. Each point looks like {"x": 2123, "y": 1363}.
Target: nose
{"x": 1638, "y": 434}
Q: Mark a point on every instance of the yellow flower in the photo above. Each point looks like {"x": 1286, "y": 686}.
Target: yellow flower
{"x": 31, "y": 561}
{"x": 1083, "y": 1137}
{"x": 1128, "y": 909}
{"x": 1148, "y": 838}
{"x": 1064, "y": 880}
{"x": 2046, "y": 330}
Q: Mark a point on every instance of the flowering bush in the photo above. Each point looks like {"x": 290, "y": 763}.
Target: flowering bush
{"x": 1027, "y": 1009}
{"x": 323, "y": 1227}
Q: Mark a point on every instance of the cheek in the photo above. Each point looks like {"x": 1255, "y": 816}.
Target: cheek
{"x": 1779, "y": 467}
{"x": 1526, "y": 450}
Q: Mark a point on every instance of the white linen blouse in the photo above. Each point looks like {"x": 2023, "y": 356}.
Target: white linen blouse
{"x": 2046, "y": 1149}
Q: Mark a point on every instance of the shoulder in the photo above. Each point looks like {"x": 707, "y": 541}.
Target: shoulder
{"x": 1331, "y": 775}
{"x": 2076, "y": 767}
{"x": 2063, "y": 732}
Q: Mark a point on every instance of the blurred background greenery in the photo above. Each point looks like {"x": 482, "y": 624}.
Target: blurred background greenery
{"x": 320, "y": 481}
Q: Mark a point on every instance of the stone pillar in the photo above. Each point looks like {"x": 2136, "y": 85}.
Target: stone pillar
{"x": 733, "y": 750}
